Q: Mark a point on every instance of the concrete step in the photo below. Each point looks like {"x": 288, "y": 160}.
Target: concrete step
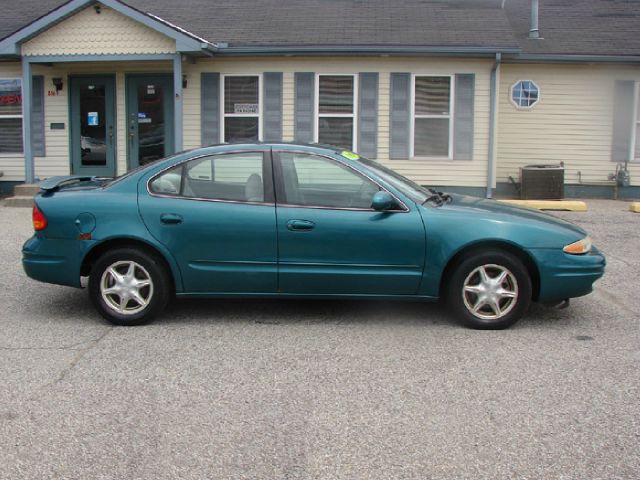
{"x": 19, "y": 201}
{"x": 26, "y": 190}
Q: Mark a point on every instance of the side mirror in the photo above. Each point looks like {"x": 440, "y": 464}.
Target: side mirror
{"x": 382, "y": 201}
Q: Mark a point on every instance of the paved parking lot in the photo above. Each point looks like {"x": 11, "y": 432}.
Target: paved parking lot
{"x": 321, "y": 390}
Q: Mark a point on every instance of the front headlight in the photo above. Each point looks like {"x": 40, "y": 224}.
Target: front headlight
{"x": 580, "y": 247}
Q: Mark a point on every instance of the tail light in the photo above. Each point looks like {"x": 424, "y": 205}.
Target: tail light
{"x": 39, "y": 220}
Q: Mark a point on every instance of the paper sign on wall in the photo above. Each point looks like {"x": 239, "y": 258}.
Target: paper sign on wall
{"x": 92, "y": 119}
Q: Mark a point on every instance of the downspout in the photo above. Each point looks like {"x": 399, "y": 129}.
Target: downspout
{"x": 493, "y": 117}
{"x": 27, "y": 109}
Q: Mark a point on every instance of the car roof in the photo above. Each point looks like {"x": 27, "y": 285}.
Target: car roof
{"x": 310, "y": 146}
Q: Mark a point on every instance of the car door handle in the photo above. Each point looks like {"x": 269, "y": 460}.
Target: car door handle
{"x": 300, "y": 225}
{"x": 170, "y": 218}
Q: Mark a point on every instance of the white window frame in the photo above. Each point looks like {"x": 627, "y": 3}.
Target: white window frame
{"x": 21, "y": 116}
{"x": 636, "y": 122}
{"x": 514, "y": 103}
{"x": 224, "y": 115}
{"x": 353, "y": 115}
{"x": 413, "y": 116}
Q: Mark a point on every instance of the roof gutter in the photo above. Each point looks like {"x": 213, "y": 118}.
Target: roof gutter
{"x": 310, "y": 50}
{"x": 493, "y": 119}
{"x": 560, "y": 58}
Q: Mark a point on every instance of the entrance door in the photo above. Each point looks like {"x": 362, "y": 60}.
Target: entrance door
{"x": 149, "y": 118}
{"x": 92, "y": 126}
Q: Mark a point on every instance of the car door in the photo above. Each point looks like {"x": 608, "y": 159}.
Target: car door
{"x": 330, "y": 239}
{"x": 216, "y": 215}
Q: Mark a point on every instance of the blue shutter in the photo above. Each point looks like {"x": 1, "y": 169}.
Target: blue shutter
{"x": 400, "y": 111}
{"x": 463, "y": 117}
{"x": 210, "y": 108}
{"x": 272, "y": 109}
{"x": 304, "y": 107}
{"x": 37, "y": 116}
{"x": 368, "y": 115}
{"x": 622, "y": 121}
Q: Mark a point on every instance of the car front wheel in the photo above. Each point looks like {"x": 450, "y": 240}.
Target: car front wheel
{"x": 489, "y": 290}
{"x": 128, "y": 286}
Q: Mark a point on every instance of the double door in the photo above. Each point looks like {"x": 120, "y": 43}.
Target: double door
{"x": 149, "y": 122}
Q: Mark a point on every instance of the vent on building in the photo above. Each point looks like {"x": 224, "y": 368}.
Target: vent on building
{"x": 542, "y": 182}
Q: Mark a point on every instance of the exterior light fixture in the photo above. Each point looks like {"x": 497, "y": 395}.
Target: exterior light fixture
{"x": 57, "y": 82}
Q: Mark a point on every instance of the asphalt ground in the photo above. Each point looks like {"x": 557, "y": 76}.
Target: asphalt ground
{"x": 321, "y": 389}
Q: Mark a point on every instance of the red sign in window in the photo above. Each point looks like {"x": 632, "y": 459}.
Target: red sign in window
{"x": 11, "y": 99}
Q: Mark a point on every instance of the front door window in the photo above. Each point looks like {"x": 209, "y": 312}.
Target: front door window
{"x": 151, "y": 138}
{"x": 150, "y": 118}
{"x": 92, "y": 124}
{"x": 93, "y": 128}
{"x": 311, "y": 180}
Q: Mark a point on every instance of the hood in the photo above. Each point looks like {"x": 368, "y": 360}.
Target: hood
{"x": 469, "y": 219}
{"x": 495, "y": 208}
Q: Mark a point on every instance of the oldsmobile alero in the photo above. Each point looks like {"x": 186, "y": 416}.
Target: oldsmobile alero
{"x": 284, "y": 220}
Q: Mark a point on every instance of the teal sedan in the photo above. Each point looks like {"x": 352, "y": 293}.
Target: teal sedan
{"x": 298, "y": 221}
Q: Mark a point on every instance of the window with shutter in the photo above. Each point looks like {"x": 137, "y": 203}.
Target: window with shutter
{"x": 241, "y": 108}
{"x": 10, "y": 115}
{"x": 336, "y": 110}
{"x": 432, "y": 116}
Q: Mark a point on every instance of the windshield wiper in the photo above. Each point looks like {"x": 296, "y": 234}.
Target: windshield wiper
{"x": 437, "y": 198}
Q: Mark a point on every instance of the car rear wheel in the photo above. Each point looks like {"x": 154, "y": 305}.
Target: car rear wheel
{"x": 129, "y": 286}
{"x": 489, "y": 290}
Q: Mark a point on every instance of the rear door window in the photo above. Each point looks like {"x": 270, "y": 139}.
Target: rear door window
{"x": 237, "y": 177}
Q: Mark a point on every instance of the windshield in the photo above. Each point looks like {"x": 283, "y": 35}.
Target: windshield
{"x": 410, "y": 188}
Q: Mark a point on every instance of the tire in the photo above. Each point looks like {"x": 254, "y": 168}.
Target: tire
{"x": 129, "y": 286}
{"x": 478, "y": 300}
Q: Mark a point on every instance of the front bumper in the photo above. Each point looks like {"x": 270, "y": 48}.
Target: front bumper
{"x": 52, "y": 260}
{"x": 567, "y": 276}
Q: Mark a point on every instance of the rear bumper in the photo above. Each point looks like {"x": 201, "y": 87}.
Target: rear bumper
{"x": 52, "y": 260}
{"x": 567, "y": 276}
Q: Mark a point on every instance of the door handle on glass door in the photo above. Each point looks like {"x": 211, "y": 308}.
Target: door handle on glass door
{"x": 300, "y": 225}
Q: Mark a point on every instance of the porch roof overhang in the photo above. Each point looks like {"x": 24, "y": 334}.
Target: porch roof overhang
{"x": 186, "y": 42}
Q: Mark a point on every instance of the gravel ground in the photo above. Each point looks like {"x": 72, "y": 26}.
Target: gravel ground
{"x": 319, "y": 389}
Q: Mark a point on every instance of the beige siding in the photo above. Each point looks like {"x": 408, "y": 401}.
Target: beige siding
{"x": 89, "y": 33}
{"x": 572, "y": 122}
{"x": 426, "y": 171}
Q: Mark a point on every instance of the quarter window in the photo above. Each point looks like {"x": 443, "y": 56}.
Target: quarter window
{"x": 311, "y": 180}
{"x": 525, "y": 94}
{"x": 336, "y": 110}
{"x": 232, "y": 177}
{"x": 10, "y": 116}
{"x": 241, "y": 108}
{"x": 432, "y": 116}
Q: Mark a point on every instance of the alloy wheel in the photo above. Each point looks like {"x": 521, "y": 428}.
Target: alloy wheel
{"x": 126, "y": 287}
{"x": 490, "y": 292}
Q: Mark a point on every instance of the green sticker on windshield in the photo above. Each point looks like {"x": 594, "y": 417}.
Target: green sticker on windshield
{"x": 350, "y": 155}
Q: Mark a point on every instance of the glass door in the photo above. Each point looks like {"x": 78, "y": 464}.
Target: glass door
{"x": 92, "y": 125}
{"x": 150, "y": 118}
